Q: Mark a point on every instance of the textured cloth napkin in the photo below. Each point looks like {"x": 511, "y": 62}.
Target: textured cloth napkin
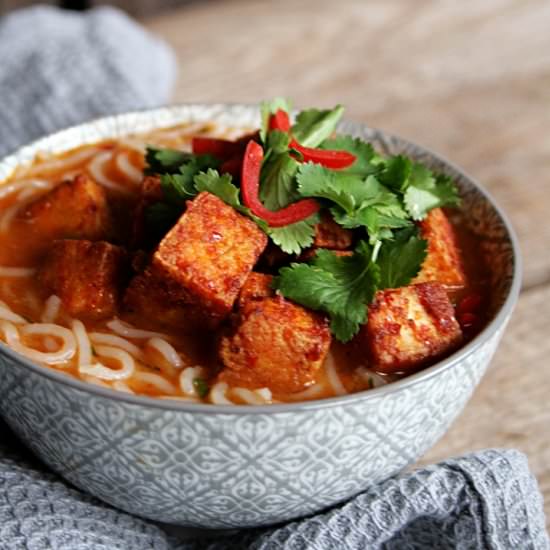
{"x": 60, "y": 68}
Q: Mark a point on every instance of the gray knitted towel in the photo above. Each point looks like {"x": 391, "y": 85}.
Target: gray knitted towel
{"x": 59, "y": 68}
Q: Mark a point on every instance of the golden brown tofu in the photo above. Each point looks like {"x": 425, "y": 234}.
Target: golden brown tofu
{"x": 75, "y": 209}
{"x": 87, "y": 276}
{"x": 151, "y": 188}
{"x": 328, "y": 234}
{"x": 409, "y": 327}
{"x": 209, "y": 253}
{"x": 154, "y": 298}
{"x": 443, "y": 263}
{"x": 276, "y": 344}
{"x": 256, "y": 287}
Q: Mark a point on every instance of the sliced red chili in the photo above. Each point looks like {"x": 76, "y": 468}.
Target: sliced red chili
{"x": 328, "y": 158}
{"x": 467, "y": 320}
{"x": 469, "y": 304}
{"x": 222, "y": 149}
{"x": 280, "y": 121}
{"x": 325, "y": 157}
{"x": 250, "y": 187}
{"x": 232, "y": 166}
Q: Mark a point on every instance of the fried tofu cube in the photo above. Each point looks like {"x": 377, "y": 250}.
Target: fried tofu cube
{"x": 87, "y": 276}
{"x": 328, "y": 234}
{"x": 75, "y": 209}
{"x": 443, "y": 263}
{"x": 256, "y": 287}
{"x": 151, "y": 189}
{"x": 209, "y": 253}
{"x": 274, "y": 343}
{"x": 410, "y": 326}
{"x": 157, "y": 299}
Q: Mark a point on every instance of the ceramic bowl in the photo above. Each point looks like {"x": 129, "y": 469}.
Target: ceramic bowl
{"x": 233, "y": 466}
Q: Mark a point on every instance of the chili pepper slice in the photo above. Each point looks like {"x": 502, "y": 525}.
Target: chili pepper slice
{"x": 467, "y": 320}
{"x": 469, "y": 304}
{"x": 328, "y": 158}
{"x": 325, "y": 157}
{"x": 250, "y": 186}
{"x": 232, "y": 166}
{"x": 280, "y": 121}
{"x": 222, "y": 149}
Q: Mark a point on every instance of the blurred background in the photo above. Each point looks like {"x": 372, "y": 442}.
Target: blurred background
{"x": 470, "y": 80}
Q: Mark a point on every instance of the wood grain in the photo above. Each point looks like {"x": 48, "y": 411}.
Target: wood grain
{"x": 472, "y": 84}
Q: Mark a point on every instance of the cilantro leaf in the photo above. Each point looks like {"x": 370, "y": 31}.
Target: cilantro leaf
{"x": 268, "y": 108}
{"x": 396, "y": 172}
{"x": 278, "y": 183}
{"x": 400, "y": 260}
{"x": 367, "y": 162}
{"x": 201, "y": 386}
{"x": 163, "y": 161}
{"x": 221, "y": 186}
{"x": 339, "y": 286}
{"x": 180, "y": 186}
{"x": 346, "y": 190}
{"x": 277, "y": 141}
{"x": 426, "y": 192}
{"x": 177, "y": 188}
{"x": 295, "y": 237}
{"x": 314, "y": 126}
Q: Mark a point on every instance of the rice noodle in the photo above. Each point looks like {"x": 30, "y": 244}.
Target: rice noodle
{"x": 122, "y": 386}
{"x": 167, "y": 351}
{"x": 155, "y": 380}
{"x": 8, "y": 216}
{"x": 9, "y": 330}
{"x": 134, "y": 144}
{"x": 179, "y": 133}
{"x": 11, "y": 212}
{"x": 16, "y": 271}
{"x": 50, "y": 344}
{"x": 116, "y": 341}
{"x": 251, "y": 397}
{"x": 65, "y": 352}
{"x": 265, "y": 393}
{"x": 373, "y": 379}
{"x": 51, "y": 309}
{"x": 217, "y": 394}
{"x": 63, "y": 164}
{"x": 187, "y": 378}
{"x": 125, "y": 329}
{"x": 17, "y": 186}
{"x": 96, "y": 170}
{"x": 83, "y": 342}
{"x": 6, "y": 314}
{"x": 123, "y": 163}
{"x": 309, "y": 393}
{"x": 103, "y": 372}
{"x": 333, "y": 378}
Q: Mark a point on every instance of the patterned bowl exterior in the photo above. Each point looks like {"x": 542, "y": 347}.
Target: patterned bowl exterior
{"x": 222, "y": 467}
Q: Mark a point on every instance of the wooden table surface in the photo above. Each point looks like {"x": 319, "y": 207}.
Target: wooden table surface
{"x": 471, "y": 83}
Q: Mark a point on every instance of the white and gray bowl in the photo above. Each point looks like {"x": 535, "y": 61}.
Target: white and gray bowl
{"x": 238, "y": 466}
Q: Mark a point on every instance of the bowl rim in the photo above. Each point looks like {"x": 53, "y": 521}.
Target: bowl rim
{"x": 175, "y": 405}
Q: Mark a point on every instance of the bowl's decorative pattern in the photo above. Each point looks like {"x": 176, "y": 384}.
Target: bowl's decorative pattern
{"x": 210, "y": 466}
{"x": 225, "y": 470}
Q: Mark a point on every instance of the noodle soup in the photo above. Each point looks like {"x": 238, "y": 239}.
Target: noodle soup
{"x": 132, "y": 350}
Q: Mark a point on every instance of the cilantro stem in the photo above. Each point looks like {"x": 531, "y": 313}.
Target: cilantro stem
{"x": 375, "y": 251}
